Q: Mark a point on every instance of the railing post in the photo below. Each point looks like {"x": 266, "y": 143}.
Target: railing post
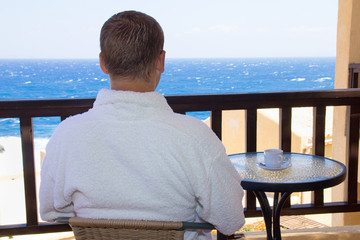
{"x": 319, "y": 119}
{"x": 285, "y": 129}
{"x": 251, "y": 122}
{"x": 216, "y": 122}
{"x": 27, "y": 141}
{"x": 353, "y": 154}
{"x": 285, "y": 116}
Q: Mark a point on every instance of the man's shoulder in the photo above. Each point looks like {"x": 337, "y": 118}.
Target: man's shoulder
{"x": 74, "y": 122}
{"x": 194, "y": 127}
{"x": 187, "y": 121}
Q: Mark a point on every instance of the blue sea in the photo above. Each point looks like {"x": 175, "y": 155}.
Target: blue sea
{"x": 54, "y": 79}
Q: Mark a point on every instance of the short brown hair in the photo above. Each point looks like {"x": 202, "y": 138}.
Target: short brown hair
{"x": 130, "y": 43}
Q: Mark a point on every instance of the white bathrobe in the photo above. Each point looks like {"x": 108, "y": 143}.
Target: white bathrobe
{"x": 132, "y": 157}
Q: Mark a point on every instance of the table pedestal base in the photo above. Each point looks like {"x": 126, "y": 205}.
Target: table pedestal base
{"x": 272, "y": 218}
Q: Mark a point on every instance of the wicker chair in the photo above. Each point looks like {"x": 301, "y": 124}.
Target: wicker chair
{"x": 104, "y": 229}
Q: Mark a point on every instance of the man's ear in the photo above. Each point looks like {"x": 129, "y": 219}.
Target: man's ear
{"x": 160, "y": 64}
{"x": 102, "y": 64}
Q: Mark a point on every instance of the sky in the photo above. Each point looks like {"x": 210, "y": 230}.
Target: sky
{"x": 193, "y": 28}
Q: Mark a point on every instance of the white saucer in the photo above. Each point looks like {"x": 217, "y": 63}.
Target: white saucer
{"x": 284, "y": 165}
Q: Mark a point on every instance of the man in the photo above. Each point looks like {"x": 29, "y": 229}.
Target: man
{"x": 131, "y": 156}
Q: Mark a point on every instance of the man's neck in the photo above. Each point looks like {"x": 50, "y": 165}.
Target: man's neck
{"x": 134, "y": 85}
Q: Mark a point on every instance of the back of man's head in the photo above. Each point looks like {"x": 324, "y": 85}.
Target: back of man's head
{"x": 131, "y": 43}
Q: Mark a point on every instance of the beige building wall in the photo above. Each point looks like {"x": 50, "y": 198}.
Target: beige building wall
{"x": 348, "y": 51}
{"x": 268, "y": 133}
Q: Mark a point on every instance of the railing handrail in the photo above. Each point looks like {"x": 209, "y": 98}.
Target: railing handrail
{"x": 180, "y": 103}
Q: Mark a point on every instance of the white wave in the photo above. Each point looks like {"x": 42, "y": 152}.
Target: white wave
{"x": 40, "y": 143}
{"x": 298, "y": 79}
{"x": 322, "y": 79}
{"x": 11, "y": 121}
{"x": 28, "y": 82}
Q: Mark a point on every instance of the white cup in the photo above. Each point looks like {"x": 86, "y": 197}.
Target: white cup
{"x": 273, "y": 158}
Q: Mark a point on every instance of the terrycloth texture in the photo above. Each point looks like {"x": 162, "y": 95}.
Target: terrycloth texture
{"x": 131, "y": 157}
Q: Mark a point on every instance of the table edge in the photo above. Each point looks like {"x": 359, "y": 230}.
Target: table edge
{"x": 291, "y": 186}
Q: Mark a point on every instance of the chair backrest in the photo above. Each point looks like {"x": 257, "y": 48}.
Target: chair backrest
{"x": 104, "y": 229}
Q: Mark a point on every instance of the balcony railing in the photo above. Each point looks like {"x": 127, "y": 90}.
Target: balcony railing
{"x": 26, "y": 110}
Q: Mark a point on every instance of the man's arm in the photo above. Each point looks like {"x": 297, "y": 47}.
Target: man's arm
{"x": 221, "y": 199}
{"x": 52, "y": 201}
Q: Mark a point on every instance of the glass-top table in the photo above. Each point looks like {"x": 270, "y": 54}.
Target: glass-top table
{"x": 302, "y": 172}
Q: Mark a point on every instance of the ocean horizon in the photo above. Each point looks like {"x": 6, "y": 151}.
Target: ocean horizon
{"x": 82, "y": 78}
